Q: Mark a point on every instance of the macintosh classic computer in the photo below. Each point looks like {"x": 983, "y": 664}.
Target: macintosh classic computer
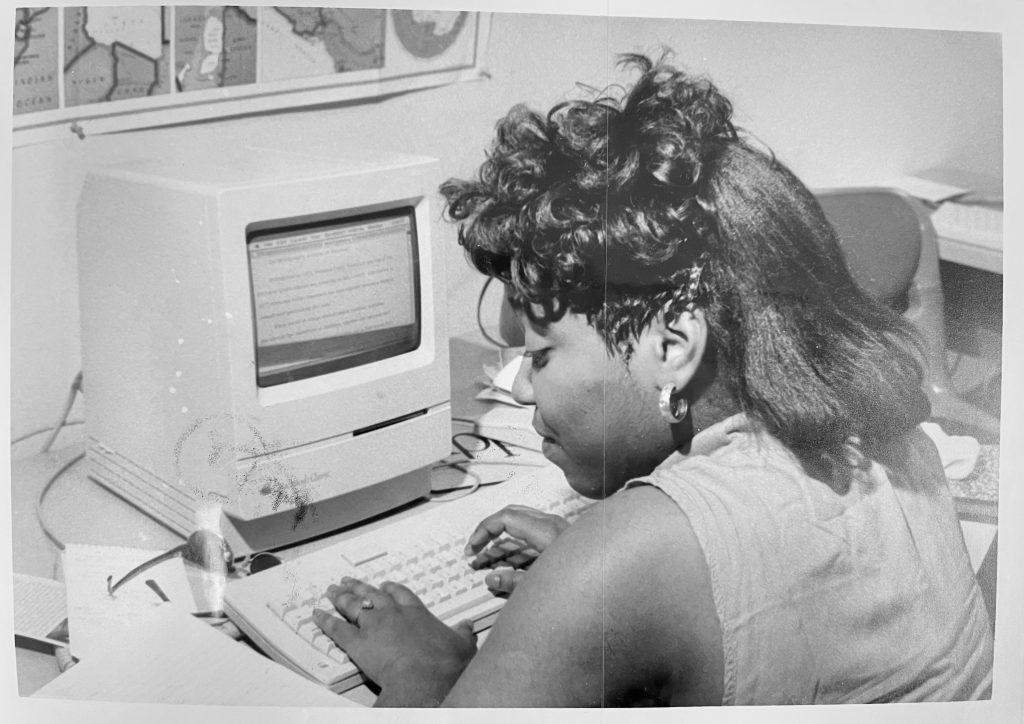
{"x": 263, "y": 335}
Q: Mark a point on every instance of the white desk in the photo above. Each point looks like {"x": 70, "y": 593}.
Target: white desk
{"x": 974, "y": 255}
{"x": 981, "y": 251}
{"x": 81, "y": 511}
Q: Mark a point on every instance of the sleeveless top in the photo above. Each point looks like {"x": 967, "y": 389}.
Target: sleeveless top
{"x": 867, "y": 596}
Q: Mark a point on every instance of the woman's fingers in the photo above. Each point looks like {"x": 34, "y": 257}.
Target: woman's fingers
{"x": 504, "y": 580}
{"x": 486, "y": 530}
{"x": 340, "y": 631}
{"x": 507, "y": 551}
{"x": 465, "y": 630}
{"x": 352, "y": 597}
{"x": 402, "y": 595}
{"x": 538, "y": 529}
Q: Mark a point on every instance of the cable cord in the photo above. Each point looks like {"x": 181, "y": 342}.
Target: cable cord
{"x": 39, "y": 431}
{"x": 42, "y": 496}
{"x": 76, "y": 385}
{"x": 443, "y": 496}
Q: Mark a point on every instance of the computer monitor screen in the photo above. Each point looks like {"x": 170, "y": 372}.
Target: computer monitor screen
{"x": 333, "y": 294}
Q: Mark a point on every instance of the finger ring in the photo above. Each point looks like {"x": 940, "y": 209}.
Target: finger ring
{"x": 366, "y": 605}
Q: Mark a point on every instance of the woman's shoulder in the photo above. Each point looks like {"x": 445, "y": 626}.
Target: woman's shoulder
{"x": 625, "y": 591}
{"x": 736, "y": 452}
{"x": 637, "y": 528}
{"x": 654, "y": 568}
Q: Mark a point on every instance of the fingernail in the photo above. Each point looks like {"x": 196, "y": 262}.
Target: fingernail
{"x": 468, "y": 550}
{"x": 493, "y": 580}
{"x": 347, "y": 579}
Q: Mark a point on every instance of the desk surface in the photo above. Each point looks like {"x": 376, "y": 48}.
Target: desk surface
{"x": 968, "y": 254}
{"x": 974, "y": 250}
{"x": 81, "y": 511}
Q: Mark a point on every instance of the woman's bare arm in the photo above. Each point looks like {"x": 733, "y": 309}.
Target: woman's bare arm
{"x": 620, "y": 605}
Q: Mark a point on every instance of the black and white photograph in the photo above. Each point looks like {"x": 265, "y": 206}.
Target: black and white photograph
{"x": 535, "y": 358}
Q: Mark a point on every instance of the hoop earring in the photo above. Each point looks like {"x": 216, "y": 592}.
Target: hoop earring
{"x": 672, "y": 410}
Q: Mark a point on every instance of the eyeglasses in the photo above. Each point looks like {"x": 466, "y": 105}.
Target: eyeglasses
{"x": 478, "y": 460}
{"x": 472, "y": 449}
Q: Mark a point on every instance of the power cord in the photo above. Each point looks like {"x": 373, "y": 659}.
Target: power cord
{"x": 41, "y": 430}
{"x": 76, "y": 386}
{"x": 62, "y": 422}
{"x": 42, "y": 496}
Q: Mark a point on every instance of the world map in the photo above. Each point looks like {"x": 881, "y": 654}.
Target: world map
{"x": 36, "y": 78}
{"x": 302, "y": 42}
{"x": 106, "y": 68}
{"x": 114, "y": 53}
{"x": 214, "y": 46}
{"x": 428, "y": 33}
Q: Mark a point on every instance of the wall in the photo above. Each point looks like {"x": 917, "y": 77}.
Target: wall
{"x": 841, "y": 106}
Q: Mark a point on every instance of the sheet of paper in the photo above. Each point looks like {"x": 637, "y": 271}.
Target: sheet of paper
{"x": 931, "y": 191}
{"x": 507, "y": 375}
{"x": 95, "y": 618}
{"x": 501, "y": 379}
{"x": 493, "y": 394}
{"x": 40, "y": 609}
{"x": 167, "y": 656}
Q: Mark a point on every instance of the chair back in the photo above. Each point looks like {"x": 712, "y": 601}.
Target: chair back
{"x": 891, "y": 249}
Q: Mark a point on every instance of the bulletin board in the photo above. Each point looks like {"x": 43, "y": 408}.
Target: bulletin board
{"x": 92, "y": 69}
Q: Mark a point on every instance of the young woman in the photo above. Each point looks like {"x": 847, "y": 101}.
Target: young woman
{"x": 775, "y": 528}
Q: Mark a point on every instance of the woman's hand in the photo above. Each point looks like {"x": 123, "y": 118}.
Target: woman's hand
{"x": 531, "y": 532}
{"x": 395, "y": 641}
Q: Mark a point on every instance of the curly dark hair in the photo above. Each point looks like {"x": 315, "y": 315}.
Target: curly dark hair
{"x": 622, "y": 209}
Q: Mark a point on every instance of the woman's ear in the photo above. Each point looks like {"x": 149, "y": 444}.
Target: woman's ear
{"x": 679, "y": 346}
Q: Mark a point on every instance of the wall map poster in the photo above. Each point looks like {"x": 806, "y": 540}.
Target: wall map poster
{"x": 97, "y": 69}
{"x": 111, "y": 54}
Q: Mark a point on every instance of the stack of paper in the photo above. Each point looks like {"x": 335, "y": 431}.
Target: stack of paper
{"x": 40, "y": 610}
{"x": 95, "y": 618}
{"x": 980, "y": 225}
{"x": 501, "y": 379}
{"x": 926, "y": 189}
{"x": 170, "y": 657}
{"x": 143, "y": 645}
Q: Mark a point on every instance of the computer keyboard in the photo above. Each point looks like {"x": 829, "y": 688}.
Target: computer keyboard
{"x": 424, "y": 551}
{"x": 977, "y": 224}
